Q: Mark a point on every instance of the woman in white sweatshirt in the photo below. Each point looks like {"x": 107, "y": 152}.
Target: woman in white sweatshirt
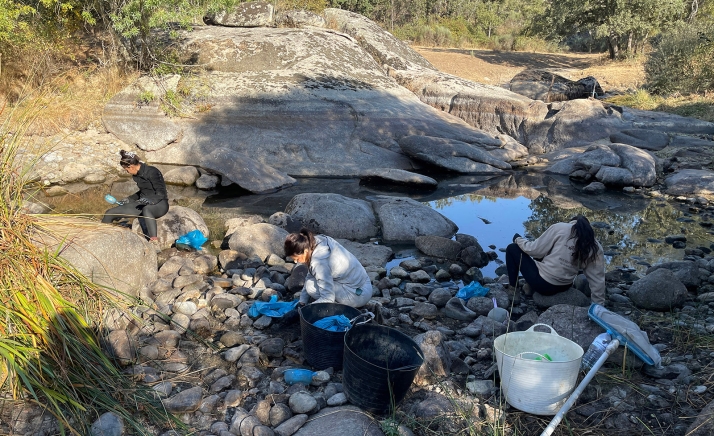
{"x": 550, "y": 263}
{"x": 334, "y": 274}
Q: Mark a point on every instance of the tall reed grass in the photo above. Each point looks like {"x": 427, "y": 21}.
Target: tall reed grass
{"x": 50, "y": 341}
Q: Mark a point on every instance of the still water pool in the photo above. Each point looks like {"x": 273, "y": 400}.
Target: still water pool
{"x": 631, "y": 227}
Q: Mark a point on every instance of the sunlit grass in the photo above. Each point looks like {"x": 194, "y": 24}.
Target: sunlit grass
{"x": 695, "y": 106}
{"x": 50, "y": 339}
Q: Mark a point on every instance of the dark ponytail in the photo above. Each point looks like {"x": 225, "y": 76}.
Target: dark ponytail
{"x": 298, "y": 243}
{"x": 128, "y": 158}
{"x": 586, "y": 247}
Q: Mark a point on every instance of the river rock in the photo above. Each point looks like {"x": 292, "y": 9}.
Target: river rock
{"x": 686, "y": 272}
{"x": 691, "y": 182}
{"x": 107, "y": 255}
{"x": 108, "y": 424}
{"x": 659, "y": 290}
{"x": 437, "y": 360}
{"x": 571, "y": 297}
{"x": 548, "y": 87}
{"x": 249, "y": 14}
{"x": 438, "y": 246}
{"x": 302, "y": 402}
{"x": 259, "y": 240}
{"x": 399, "y": 176}
{"x": 343, "y": 421}
{"x": 454, "y": 155}
{"x": 290, "y": 425}
{"x": 185, "y": 401}
{"x": 456, "y": 309}
{"x": 403, "y": 219}
{"x": 368, "y": 254}
{"x": 703, "y": 425}
{"x": 571, "y": 322}
{"x": 334, "y": 215}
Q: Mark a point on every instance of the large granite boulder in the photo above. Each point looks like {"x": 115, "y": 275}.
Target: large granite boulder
{"x": 260, "y": 240}
{"x": 368, "y": 254}
{"x": 438, "y": 246}
{"x": 178, "y": 221}
{"x": 307, "y": 102}
{"x": 571, "y": 322}
{"x": 691, "y": 182}
{"x": 403, "y": 219}
{"x": 686, "y": 272}
{"x": 453, "y": 155}
{"x": 548, "y": 87}
{"x": 249, "y": 14}
{"x": 109, "y": 256}
{"x": 660, "y": 290}
{"x": 334, "y": 215}
{"x": 610, "y": 164}
{"x": 384, "y": 47}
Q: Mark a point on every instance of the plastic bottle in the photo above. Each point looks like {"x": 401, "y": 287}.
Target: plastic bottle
{"x": 595, "y": 350}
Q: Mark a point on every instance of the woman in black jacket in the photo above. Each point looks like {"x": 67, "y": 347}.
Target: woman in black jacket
{"x": 149, "y": 204}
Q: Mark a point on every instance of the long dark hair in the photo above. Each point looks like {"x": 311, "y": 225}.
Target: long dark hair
{"x": 301, "y": 242}
{"x": 128, "y": 158}
{"x": 586, "y": 247}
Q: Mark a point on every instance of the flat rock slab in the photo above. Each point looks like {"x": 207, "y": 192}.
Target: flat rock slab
{"x": 250, "y": 14}
{"x": 399, "y": 176}
{"x": 642, "y": 138}
{"x": 548, "y": 87}
{"x": 665, "y": 122}
{"x": 368, "y": 254}
{"x": 453, "y": 155}
{"x": 343, "y": 421}
{"x": 134, "y": 114}
{"x": 247, "y": 173}
{"x": 691, "y": 182}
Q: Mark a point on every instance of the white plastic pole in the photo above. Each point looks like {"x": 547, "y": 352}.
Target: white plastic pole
{"x": 611, "y": 347}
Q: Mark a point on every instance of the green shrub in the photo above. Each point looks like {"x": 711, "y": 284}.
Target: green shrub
{"x": 682, "y": 60}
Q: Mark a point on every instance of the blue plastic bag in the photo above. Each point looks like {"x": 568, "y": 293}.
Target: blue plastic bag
{"x": 273, "y": 308}
{"x": 335, "y": 323}
{"x": 193, "y": 239}
{"x": 473, "y": 289}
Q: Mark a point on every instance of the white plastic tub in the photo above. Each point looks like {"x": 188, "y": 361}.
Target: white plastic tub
{"x": 534, "y": 386}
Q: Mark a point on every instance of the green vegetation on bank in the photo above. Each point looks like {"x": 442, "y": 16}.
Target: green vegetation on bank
{"x": 50, "y": 337}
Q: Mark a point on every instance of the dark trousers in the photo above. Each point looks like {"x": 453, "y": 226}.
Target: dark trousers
{"x": 515, "y": 257}
{"x": 147, "y": 215}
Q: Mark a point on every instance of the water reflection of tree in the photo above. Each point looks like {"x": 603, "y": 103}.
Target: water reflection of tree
{"x": 465, "y": 198}
{"x": 627, "y": 233}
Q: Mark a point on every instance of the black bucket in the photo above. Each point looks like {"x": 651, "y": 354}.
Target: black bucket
{"x": 323, "y": 348}
{"x": 379, "y": 366}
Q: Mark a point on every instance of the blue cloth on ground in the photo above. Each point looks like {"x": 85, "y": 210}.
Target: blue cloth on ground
{"x": 194, "y": 239}
{"x": 334, "y": 323}
{"x": 273, "y": 308}
{"x": 473, "y": 289}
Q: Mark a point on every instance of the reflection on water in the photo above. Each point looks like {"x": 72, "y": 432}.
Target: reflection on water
{"x": 631, "y": 228}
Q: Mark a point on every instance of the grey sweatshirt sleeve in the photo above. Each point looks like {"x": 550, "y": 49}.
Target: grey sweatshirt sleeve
{"x": 320, "y": 269}
{"x": 541, "y": 246}
{"x": 595, "y": 273}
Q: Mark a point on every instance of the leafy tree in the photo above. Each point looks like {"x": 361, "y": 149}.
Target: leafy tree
{"x": 624, "y": 23}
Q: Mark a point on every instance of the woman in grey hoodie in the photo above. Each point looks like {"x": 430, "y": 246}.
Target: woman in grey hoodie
{"x": 334, "y": 274}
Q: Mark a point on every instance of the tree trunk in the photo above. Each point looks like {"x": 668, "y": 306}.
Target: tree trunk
{"x": 613, "y": 46}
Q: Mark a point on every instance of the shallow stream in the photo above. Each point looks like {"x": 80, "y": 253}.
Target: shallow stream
{"x": 631, "y": 227}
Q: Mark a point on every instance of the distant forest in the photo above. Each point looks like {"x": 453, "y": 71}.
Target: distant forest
{"x": 676, "y": 35}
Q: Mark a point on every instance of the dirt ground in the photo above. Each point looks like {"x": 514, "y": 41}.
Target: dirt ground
{"x": 499, "y": 67}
